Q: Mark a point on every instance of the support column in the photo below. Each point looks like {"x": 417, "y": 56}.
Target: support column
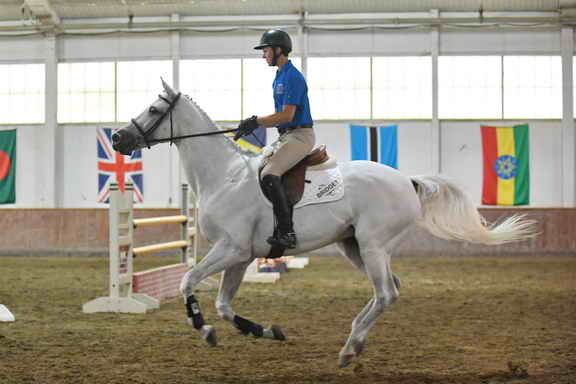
{"x": 568, "y": 136}
{"x": 48, "y": 139}
{"x": 435, "y": 139}
{"x": 175, "y": 166}
{"x": 175, "y": 51}
{"x": 303, "y": 35}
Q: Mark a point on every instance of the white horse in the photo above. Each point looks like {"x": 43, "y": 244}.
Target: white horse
{"x": 378, "y": 207}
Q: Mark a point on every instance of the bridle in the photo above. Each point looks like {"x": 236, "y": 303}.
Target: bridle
{"x": 168, "y": 112}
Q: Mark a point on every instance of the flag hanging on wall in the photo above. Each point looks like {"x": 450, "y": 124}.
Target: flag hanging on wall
{"x": 115, "y": 167}
{"x": 8, "y": 167}
{"x": 506, "y": 165}
{"x": 255, "y": 141}
{"x": 379, "y": 144}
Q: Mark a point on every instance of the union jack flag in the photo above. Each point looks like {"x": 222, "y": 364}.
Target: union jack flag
{"x": 113, "y": 166}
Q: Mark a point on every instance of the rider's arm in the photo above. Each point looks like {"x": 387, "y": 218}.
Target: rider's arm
{"x": 285, "y": 116}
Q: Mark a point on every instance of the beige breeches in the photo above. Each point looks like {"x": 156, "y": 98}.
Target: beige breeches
{"x": 294, "y": 146}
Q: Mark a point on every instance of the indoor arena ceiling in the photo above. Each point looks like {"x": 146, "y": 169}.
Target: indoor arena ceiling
{"x": 55, "y": 11}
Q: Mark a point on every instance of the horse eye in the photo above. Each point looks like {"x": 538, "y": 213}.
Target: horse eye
{"x": 153, "y": 109}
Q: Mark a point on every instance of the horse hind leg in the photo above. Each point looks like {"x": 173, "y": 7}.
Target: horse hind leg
{"x": 386, "y": 290}
{"x": 231, "y": 280}
{"x": 349, "y": 247}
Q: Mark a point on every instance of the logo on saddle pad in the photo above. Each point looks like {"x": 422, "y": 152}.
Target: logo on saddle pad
{"x": 314, "y": 180}
{"x": 322, "y": 186}
{"x": 327, "y": 190}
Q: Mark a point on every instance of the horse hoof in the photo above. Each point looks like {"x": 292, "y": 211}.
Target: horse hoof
{"x": 345, "y": 360}
{"x": 358, "y": 348}
{"x": 396, "y": 281}
{"x": 208, "y": 333}
{"x": 277, "y": 333}
{"x": 274, "y": 333}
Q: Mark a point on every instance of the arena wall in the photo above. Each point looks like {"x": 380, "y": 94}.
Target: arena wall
{"x": 73, "y": 231}
{"x": 85, "y": 232}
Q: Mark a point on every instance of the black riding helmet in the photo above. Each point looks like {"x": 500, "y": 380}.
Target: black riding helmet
{"x": 276, "y": 38}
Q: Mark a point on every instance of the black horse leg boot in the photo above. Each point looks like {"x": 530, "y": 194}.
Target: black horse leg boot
{"x": 285, "y": 237}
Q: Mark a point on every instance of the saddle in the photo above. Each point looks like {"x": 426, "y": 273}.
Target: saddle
{"x": 294, "y": 179}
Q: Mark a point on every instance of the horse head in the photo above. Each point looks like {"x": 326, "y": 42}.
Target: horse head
{"x": 154, "y": 125}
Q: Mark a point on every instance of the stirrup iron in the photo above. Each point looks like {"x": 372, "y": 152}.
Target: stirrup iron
{"x": 285, "y": 240}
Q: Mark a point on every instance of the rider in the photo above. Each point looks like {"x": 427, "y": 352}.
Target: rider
{"x": 294, "y": 122}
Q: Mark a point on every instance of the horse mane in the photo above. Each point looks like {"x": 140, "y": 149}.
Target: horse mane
{"x": 202, "y": 112}
{"x": 212, "y": 124}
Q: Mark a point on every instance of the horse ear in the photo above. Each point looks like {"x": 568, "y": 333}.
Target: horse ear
{"x": 167, "y": 88}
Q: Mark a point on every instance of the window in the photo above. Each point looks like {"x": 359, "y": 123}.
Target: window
{"x": 532, "y": 87}
{"x": 402, "y": 87}
{"x": 215, "y": 85}
{"x": 257, "y": 78}
{"x": 470, "y": 87}
{"x": 86, "y": 92}
{"x": 339, "y": 88}
{"x": 138, "y": 85}
{"x": 22, "y": 99}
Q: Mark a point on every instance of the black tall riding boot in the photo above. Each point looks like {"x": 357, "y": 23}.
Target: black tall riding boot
{"x": 285, "y": 237}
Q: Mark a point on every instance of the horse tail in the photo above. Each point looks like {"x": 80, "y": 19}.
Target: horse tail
{"x": 448, "y": 213}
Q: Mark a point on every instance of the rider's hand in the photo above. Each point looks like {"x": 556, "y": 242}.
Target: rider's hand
{"x": 246, "y": 127}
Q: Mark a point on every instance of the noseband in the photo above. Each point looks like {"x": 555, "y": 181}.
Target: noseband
{"x": 145, "y": 134}
{"x": 171, "y": 105}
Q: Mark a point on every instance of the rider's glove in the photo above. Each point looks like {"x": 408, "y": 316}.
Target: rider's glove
{"x": 246, "y": 127}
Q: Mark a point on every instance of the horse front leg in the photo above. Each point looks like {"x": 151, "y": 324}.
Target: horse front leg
{"x": 231, "y": 280}
{"x": 220, "y": 257}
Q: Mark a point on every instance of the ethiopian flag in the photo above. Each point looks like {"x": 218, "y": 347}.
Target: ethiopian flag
{"x": 7, "y": 167}
{"x": 506, "y": 165}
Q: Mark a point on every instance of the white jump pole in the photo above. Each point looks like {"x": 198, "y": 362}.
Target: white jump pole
{"x": 184, "y": 228}
{"x": 126, "y": 287}
{"x": 121, "y": 298}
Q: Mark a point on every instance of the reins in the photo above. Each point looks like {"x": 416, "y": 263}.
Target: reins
{"x": 192, "y": 135}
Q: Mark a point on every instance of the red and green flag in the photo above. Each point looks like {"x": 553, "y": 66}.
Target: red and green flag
{"x": 506, "y": 165}
{"x": 7, "y": 167}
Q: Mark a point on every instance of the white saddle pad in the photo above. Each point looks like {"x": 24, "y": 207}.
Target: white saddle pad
{"x": 324, "y": 186}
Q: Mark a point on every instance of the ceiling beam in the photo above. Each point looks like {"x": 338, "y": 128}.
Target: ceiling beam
{"x": 402, "y": 19}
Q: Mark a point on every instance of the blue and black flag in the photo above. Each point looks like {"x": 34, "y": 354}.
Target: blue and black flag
{"x": 379, "y": 144}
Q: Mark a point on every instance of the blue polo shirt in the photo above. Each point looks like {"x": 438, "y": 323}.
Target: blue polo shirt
{"x": 290, "y": 88}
